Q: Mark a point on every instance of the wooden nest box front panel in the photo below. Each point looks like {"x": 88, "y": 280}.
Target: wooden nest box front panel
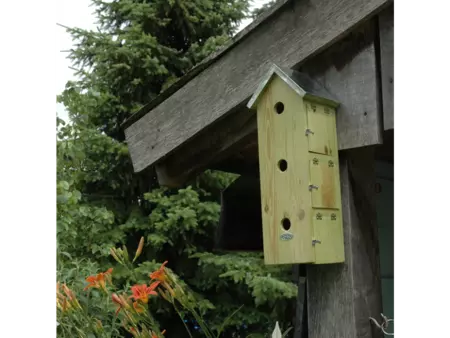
{"x": 299, "y": 170}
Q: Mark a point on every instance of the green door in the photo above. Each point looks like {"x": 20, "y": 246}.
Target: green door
{"x": 385, "y": 219}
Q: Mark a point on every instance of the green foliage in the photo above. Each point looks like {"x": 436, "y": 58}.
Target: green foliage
{"x": 229, "y": 276}
{"x": 258, "y": 11}
{"x": 249, "y": 269}
{"x": 72, "y": 272}
{"x": 141, "y": 48}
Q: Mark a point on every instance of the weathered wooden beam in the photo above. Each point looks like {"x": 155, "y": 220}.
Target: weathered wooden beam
{"x": 348, "y": 70}
{"x": 386, "y": 28}
{"x": 211, "y": 147}
{"x": 342, "y": 297}
{"x": 295, "y": 33}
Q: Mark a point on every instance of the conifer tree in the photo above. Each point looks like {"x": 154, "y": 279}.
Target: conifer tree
{"x": 140, "y": 48}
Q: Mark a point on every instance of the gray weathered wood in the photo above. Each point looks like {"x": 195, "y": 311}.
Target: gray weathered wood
{"x": 348, "y": 70}
{"x": 342, "y": 297}
{"x": 300, "y": 307}
{"x": 296, "y": 32}
{"x": 234, "y": 133}
{"x": 386, "y": 26}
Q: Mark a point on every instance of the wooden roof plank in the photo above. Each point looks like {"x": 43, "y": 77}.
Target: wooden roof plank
{"x": 291, "y": 36}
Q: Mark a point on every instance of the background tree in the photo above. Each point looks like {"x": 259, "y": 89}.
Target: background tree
{"x": 260, "y": 10}
{"x": 140, "y": 48}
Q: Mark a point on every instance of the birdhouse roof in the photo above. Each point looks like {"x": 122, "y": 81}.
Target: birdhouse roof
{"x": 301, "y": 83}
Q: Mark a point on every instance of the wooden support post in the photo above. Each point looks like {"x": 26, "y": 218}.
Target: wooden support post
{"x": 300, "y": 309}
{"x": 386, "y": 28}
{"x": 342, "y": 297}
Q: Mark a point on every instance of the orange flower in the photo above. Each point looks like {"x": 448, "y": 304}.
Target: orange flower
{"x": 138, "y": 307}
{"x": 141, "y": 292}
{"x": 160, "y": 274}
{"x": 98, "y": 281}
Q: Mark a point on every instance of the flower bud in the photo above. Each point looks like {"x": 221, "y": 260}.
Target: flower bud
{"x": 139, "y": 249}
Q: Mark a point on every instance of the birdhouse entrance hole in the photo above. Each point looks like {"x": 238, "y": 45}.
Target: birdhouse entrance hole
{"x": 282, "y": 165}
{"x": 286, "y": 224}
{"x": 279, "y": 107}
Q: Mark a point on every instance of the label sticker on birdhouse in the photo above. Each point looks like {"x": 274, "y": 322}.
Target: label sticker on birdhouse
{"x": 286, "y": 236}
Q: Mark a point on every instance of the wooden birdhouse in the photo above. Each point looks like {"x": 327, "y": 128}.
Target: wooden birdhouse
{"x": 299, "y": 170}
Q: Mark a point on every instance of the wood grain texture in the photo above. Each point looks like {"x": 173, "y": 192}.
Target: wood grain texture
{"x": 300, "y": 318}
{"x": 348, "y": 70}
{"x": 284, "y": 192}
{"x": 292, "y": 35}
{"x": 234, "y": 133}
{"x": 288, "y": 168}
{"x": 341, "y": 297}
{"x": 386, "y": 27}
{"x": 323, "y": 139}
{"x": 328, "y": 229}
{"x": 324, "y": 173}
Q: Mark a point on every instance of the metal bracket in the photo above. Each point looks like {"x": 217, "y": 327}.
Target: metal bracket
{"x": 308, "y": 131}
{"x": 316, "y": 241}
{"x": 312, "y": 186}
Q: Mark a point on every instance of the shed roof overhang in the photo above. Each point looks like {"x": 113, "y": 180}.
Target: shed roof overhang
{"x": 202, "y": 120}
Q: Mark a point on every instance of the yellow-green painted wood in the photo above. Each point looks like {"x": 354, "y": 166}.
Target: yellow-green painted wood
{"x": 324, "y": 173}
{"x": 327, "y": 225}
{"x": 322, "y": 122}
{"x": 284, "y": 194}
{"x": 291, "y": 161}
